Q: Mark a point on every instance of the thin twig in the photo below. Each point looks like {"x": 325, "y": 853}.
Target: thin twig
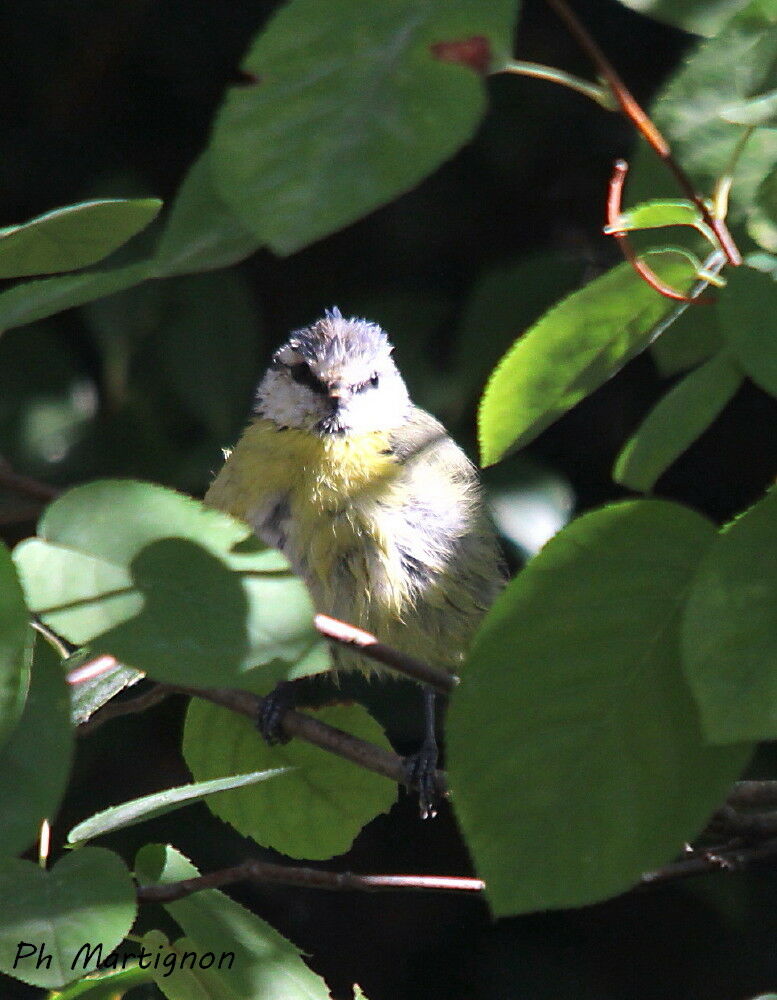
{"x": 647, "y": 128}
{"x": 732, "y": 857}
{"x": 369, "y": 646}
{"x": 306, "y": 878}
{"x": 614, "y": 199}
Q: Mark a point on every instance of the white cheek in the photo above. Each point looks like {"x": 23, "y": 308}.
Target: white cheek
{"x": 289, "y": 404}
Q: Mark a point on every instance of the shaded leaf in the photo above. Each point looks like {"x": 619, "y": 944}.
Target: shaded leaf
{"x": 319, "y": 807}
{"x": 730, "y": 629}
{"x": 265, "y": 965}
{"x": 201, "y": 233}
{"x": 702, "y": 17}
{"x": 34, "y": 300}
{"x": 88, "y": 896}
{"x": 607, "y": 773}
{"x": 747, "y": 309}
{"x": 159, "y": 803}
{"x": 35, "y": 760}
{"x": 15, "y": 646}
{"x": 73, "y": 237}
{"x": 760, "y": 110}
{"x": 107, "y": 986}
{"x": 92, "y": 693}
{"x": 675, "y": 422}
{"x": 349, "y": 109}
{"x": 575, "y": 347}
{"x": 172, "y": 593}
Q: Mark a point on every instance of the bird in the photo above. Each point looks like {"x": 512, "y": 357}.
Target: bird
{"x": 371, "y": 502}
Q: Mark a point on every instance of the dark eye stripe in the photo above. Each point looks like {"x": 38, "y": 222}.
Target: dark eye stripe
{"x": 302, "y": 375}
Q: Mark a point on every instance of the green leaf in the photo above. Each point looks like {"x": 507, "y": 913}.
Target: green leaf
{"x": 35, "y": 300}
{"x": 15, "y": 646}
{"x": 760, "y": 110}
{"x": 87, "y": 695}
{"x": 747, "y": 309}
{"x": 672, "y": 426}
{"x": 350, "y": 108}
{"x": 107, "y": 986}
{"x": 178, "y": 975}
{"x": 73, "y": 237}
{"x": 265, "y": 964}
{"x": 659, "y": 213}
{"x": 730, "y": 629}
{"x": 575, "y": 756}
{"x": 167, "y": 586}
{"x": 702, "y": 17}
{"x": 35, "y": 760}
{"x": 692, "y": 338}
{"x": 689, "y": 111}
{"x": 157, "y": 804}
{"x": 201, "y": 233}
{"x": 88, "y": 896}
{"x": 318, "y": 809}
{"x": 572, "y": 350}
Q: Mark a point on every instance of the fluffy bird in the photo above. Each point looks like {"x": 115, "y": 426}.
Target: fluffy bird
{"x": 372, "y": 503}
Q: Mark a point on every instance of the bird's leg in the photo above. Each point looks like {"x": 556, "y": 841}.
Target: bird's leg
{"x": 420, "y": 767}
{"x": 274, "y": 706}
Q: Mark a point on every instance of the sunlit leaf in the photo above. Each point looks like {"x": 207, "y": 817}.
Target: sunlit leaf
{"x": 575, "y": 347}
{"x": 321, "y": 804}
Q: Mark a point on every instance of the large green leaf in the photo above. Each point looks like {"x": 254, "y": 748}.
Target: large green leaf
{"x": 167, "y": 586}
{"x": 321, "y": 804}
{"x": 85, "y": 901}
{"x": 747, "y": 309}
{"x": 15, "y": 646}
{"x": 35, "y": 760}
{"x": 159, "y": 803}
{"x": 349, "y": 108}
{"x": 672, "y": 426}
{"x": 201, "y": 233}
{"x": 575, "y": 756}
{"x": 265, "y": 964}
{"x": 704, "y": 17}
{"x": 692, "y": 338}
{"x": 730, "y": 629}
{"x": 572, "y": 350}
{"x": 72, "y": 237}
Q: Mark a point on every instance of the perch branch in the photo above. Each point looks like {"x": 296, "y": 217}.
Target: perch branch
{"x": 306, "y": 878}
{"x": 368, "y": 646}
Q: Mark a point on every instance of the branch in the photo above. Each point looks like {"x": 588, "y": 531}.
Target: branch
{"x": 305, "y": 727}
{"x": 306, "y": 878}
{"x": 367, "y": 645}
{"x": 647, "y": 128}
{"x": 14, "y": 482}
{"x": 734, "y": 856}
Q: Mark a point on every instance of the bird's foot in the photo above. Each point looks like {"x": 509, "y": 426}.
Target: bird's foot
{"x": 420, "y": 772}
{"x": 274, "y": 706}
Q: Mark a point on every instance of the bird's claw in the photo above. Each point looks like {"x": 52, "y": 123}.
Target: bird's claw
{"x": 274, "y": 706}
{"x": 420, "y": 772}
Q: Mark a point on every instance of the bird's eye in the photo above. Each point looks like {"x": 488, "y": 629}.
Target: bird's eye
{"x": 374, "y": 380}
{"x": 302, "y": 375}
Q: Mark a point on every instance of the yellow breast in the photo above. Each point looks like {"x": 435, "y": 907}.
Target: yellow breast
{"x": 335, "y": 487}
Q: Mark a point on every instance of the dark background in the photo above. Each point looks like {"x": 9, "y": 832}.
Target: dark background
{"x": 115, "y": 97}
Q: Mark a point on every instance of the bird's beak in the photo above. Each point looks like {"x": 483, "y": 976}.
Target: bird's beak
{"x": 337, "y": 392}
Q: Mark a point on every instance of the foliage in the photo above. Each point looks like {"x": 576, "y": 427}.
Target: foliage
{"x": 618, "y": 686}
